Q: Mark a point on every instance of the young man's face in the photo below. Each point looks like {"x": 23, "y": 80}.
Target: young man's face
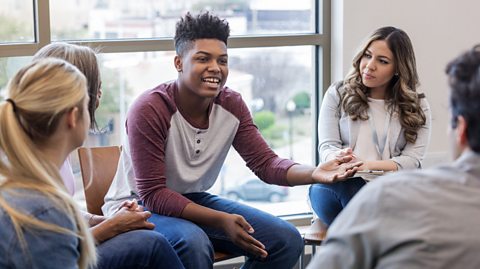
{"x": 204, "y": 68}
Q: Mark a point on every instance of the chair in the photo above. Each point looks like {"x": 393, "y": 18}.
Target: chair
{"x": 106, "y": 158}
{"x": 313, "y": 235}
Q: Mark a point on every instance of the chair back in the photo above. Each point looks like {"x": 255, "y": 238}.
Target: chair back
{"x": 104, "y": 161}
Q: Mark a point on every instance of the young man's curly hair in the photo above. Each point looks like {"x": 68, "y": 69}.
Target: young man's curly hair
{"x": 204, "y": 25}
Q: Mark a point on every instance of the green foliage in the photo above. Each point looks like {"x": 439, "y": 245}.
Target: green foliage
{"x": 274, "y": 133}
{"x": 302, "y": 100}
{"x": 264, "y": 119}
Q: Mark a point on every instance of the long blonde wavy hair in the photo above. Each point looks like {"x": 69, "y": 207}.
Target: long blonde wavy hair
{"x": 401, "y": 95}
{"x": 40, "y": 93}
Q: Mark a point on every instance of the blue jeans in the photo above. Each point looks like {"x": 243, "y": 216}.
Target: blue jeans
{"x": 195, "y": 244}
{"x": 137, "y": 249}
{"x": 328, "y": 200}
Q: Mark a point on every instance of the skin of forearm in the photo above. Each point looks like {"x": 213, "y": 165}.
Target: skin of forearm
{"x": 300, "y": 174}
{"x": 203, "y": 215}
{"x": 104, "y": 231}
{"x": 100, "y": 228}
{"x": 385, "y": 165}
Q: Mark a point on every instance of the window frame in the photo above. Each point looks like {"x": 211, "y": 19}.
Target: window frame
{"x": 320, "y": 39}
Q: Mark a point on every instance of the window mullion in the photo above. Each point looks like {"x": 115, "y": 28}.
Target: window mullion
{"x": 42, "y": 22}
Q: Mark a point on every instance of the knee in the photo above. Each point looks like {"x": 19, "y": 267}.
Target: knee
{"x": 195, "y": 238}
{"x": 290, "y": 241}
{"x": 194, "y": 248}
{"x": 148, "y": 241}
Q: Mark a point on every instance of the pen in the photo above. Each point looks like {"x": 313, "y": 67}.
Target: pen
{"x": 372, "y": 172}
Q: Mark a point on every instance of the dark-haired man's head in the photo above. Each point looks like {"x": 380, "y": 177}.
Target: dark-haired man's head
{"x": 202, "y": 26}
{"x": 202, "y": 58}
{"x": 464, "y": 80}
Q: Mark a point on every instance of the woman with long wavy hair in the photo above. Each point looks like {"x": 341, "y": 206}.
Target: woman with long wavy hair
{"x": 375, "y": 114}
{"x": 44, "y": 118}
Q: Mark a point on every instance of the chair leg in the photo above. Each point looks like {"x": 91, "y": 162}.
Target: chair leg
{"x": 302, "y": 263}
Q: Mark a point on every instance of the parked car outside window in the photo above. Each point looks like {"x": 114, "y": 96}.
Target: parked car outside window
{"x": 257, "y": 190}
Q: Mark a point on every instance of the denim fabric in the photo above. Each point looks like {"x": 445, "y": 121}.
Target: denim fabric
{"x": 138, "y": 249}
{"x": 44, "y": 249}
{"x": 328, "y": 200}
{"x": 281, "y": 239}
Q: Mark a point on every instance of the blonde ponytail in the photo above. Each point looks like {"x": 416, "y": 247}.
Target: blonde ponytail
{"x": 39, "y": 94}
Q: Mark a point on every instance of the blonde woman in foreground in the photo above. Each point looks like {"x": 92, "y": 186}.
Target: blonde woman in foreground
{"x": 44, "y": 118}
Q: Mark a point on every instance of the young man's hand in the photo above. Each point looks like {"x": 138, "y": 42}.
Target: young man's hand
{"x": 239, "y": 230}
{"x": 336, "y": 170}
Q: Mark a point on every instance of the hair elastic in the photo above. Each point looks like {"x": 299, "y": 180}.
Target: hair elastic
{"x": 13, "y": 104}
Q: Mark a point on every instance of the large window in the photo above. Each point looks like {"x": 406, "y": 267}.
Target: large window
{"x": 279, "y": 62}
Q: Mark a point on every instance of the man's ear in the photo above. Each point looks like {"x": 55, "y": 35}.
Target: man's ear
{"x": 177, "y": 61}
{"x": 461, "y": 131}
{"x": 72, "y": 117}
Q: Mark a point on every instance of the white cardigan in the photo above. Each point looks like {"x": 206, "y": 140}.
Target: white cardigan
{"x": 337, "y": 130}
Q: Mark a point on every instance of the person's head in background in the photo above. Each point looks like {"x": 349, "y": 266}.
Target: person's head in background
{"x": 85, "y": 59}
{"x": 464, "y": 81}
{"x": 385, "y": 68}
{"x": 43, "y": 119}
{"x": 202, "y": 59}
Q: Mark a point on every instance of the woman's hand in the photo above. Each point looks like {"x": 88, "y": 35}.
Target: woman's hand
{"x": 126, "y": 219}
{"x": 347, "y": 152}
{"x": 239, "y": 231}
{"x": 131, "y": 205}
{"x": 336, "y": 170}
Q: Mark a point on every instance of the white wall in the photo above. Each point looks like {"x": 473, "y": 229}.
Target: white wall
{"x": 439, "y": 29}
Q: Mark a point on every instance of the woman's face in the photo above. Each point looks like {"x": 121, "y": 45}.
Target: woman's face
{"x": 377, "y": 66}
{"x": 83, "y": 123}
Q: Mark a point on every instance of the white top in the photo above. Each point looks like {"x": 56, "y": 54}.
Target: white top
{"x": 367, "y": 150}
{"x": 336, "y": 130}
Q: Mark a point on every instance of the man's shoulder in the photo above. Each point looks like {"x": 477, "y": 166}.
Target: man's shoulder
{"x": 228, "y": 96}
{"x": 165, "y": 91}
{"x": 422, "y": 176}
{"x": 418, "y": 182}
{"x": 231, "y": 101}
{"x": 159, "y": 99}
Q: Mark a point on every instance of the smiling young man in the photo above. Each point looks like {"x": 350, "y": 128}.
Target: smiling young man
{"x": 420, "y": 219}
{"x": 179, "y": 135}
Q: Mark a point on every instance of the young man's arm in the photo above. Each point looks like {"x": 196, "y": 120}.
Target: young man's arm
{"x": 329, "y": 172}
{"x": 147, "y": 125}
{"x": 235, "y": 226}
{"x": 275, "y": 170}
